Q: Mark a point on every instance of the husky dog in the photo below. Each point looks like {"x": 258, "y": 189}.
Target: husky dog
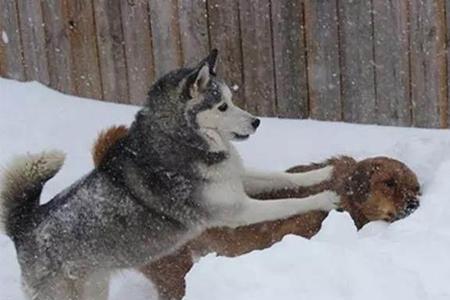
{"x": 172, "y": 176}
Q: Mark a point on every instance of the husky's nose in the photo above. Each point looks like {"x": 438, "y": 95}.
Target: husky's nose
{"x": 256, "y": 123}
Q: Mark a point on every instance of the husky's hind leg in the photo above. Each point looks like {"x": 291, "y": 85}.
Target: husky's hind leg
{"x": 54, "y": 288}
{"x": 96, "y": 286}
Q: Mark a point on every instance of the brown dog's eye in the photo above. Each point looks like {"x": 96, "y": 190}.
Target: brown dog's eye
{"x": 390, "y": 183}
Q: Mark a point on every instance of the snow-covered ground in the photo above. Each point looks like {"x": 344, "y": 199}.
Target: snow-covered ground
{"x": 409, "y": 259}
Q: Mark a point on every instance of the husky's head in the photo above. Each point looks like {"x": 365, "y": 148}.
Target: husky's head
{"x": 211, "y": 107}
{"x": 198, "y": 99}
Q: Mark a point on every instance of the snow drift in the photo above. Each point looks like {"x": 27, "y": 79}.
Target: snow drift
{"x": 405, "y": 260}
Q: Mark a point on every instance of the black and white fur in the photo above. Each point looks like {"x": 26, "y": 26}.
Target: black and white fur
{"x": 175, "y": 174}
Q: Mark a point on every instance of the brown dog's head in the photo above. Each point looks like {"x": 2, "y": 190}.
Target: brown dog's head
{"x": 380, "y": 188}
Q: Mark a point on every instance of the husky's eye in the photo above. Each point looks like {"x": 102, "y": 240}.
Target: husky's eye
{"x": 223, "y": 107}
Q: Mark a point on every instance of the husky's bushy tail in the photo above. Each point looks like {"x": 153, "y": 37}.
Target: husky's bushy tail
{"x": 21, "y": 187}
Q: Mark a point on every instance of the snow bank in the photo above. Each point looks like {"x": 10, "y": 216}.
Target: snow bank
{"x": 405, "y": 260}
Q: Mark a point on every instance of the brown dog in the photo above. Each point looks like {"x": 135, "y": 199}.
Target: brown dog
{"x": 373, "y": 189}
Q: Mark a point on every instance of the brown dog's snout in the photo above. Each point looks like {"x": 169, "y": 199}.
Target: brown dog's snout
{"x": 412, "y": 205}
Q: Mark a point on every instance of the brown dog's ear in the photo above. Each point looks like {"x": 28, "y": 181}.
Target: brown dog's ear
{"x": 357, "y": 187}
{"x": 105, "y": 140}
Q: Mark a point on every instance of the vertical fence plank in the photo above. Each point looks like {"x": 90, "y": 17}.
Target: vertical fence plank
{"x": 57, "y": 46}
{"x": 33, "y": 40}
{"x": 194, "y": 30}
{"x": 138, "y": 49}
{"x": 84, "y": 54}
{"x": 10, "y": 40}
{"x": 166, "y": 36}
{"x": 290, "y": 58}
{"x": 3, "y": 43}
{"x": 224, "y": 34}
{"x": 257, "y": 55}
{"x": 323, "y": 60}
{"x": 427, "y": 62}
{"x": 392, "y": 62}
{"x": 442, "y": 53}
{"x": 447, "y": 46}
{"x": 110, "y": 42}
{"x": 357, "y": 65}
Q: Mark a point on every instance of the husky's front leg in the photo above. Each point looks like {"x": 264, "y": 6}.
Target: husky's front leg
{"x": 253, "y": 211}
{"x": 96, "y": 286}
{"x": 256, "y": 182}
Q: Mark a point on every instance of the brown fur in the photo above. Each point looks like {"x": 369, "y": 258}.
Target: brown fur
{"x": 372, "y": 189}
{"x": 105, "y": 140}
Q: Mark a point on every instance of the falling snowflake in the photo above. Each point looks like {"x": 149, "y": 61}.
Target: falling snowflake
{"x": 5, "y": 37}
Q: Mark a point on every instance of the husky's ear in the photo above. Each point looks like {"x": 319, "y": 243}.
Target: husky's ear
{"x": 197, "y": 81}
{"x": 211, "y": 60}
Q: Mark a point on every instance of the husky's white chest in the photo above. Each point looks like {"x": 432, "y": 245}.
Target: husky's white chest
{"x": 223, "y": 189}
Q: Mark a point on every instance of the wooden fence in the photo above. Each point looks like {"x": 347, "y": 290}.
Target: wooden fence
{"x": 366, "y": 61}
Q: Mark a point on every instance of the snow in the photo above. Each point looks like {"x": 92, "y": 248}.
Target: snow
{"x": 405, "y": 260}
{"x": 5, "y": 37}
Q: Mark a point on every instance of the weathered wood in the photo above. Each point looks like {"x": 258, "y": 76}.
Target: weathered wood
{"x": 10, "y": 40}
{"x": 57, "y": 46}
{"x": 442, "y": 63}
{"x": 370, "y": 61}
{"x": 427, "y": 62}
{"x": 257, "y": 52}
{"x": 111, "y": 48}
{"x": 391, "y": 51}
{"x": 84, "y": 54}
{"x": 2, "y": 61}
{"x": 447, "y": 47}
{"x": 357, "y": 64}
{"x": 323, "y": 60}
{"x": 194, "y": 30}
{"x": 138, "y": 49}
{"x": 290, "y": 58}
{"x": 166, "y": 36}
{"x": 33, "y": 41}
{"x": 224, "y": 34}
{"x": 3, "y": 43}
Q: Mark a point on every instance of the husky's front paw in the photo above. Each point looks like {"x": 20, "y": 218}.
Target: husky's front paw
{"x": 329, "y": 200}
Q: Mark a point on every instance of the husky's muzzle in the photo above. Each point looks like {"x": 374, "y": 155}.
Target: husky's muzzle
{"x": 240, "y": 137}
